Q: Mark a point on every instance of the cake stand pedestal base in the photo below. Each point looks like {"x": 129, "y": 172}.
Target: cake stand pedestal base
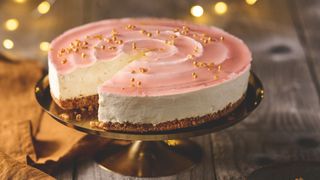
{"x": 150, "y": 158}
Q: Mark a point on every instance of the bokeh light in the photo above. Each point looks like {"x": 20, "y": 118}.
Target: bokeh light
{"x": 196, "y": 11}
{"x": 251, "y": 2}
{"x": 44, "y": 46}
{"x": 44, "y": 7}
{"x": 220, "y": 8}
{"x": 8, "y": 44}
{"x": 11, "y": 24}
{"x": 20, "y": 1}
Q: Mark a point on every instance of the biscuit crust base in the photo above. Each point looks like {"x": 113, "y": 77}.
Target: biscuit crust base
{"x": 77, "y": 103}
{"x": 171, "y": 125}
{"x": 92, "y": 101}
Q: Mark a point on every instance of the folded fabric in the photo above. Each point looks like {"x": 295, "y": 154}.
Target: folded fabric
{"x": 28, "y": 132}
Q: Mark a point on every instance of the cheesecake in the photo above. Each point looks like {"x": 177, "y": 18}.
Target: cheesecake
{"x": 149, "y": 74}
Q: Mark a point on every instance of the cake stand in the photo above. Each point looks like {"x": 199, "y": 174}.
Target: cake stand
{"x": 151, "y": 154}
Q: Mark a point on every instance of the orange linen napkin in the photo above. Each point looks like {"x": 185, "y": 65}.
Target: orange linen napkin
{"x": 26, "y": 131}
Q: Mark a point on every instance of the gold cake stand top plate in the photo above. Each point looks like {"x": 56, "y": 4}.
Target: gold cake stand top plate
{"x": 253, "y": 97}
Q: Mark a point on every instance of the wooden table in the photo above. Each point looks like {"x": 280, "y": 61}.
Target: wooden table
{"x": 284, "y": 37}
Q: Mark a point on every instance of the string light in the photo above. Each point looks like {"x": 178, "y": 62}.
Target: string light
{"x": 20, "y": 1}
{"x": 220, "y": 8}
{"x": 251, "y": 2}
{"x": 196, "y": 11}
{"x": 11, "y": 24}
{"x": 8, "y": 44}
{"x": 44, "y": 46}
{"x": 44, "y": 7}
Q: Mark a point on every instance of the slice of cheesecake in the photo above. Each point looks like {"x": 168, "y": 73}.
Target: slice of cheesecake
{"x": 149, "y": 74}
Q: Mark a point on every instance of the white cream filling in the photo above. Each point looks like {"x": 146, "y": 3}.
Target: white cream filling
{"x": 85, "y": 81}
{"x": 158, "y": 109}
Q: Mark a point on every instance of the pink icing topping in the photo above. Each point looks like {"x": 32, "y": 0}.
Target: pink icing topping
{"x": 177, "y": 56}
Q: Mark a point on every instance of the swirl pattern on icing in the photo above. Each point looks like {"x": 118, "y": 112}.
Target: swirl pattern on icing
{"x": 172, "y": 56}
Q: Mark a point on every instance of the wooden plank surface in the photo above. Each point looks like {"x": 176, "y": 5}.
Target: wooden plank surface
{"x": 307, "y": 18}
{"x": 290, "y": 110}
{"x": 285, "y": 126}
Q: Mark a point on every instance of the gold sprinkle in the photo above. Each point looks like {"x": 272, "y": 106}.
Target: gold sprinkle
{"x": 195, "y": 63}
{"x": 194, "y": 75}
{"x": 143, "y": 70}
{"x": 133, "y": 45}
{"x": 77, "y": 42}
{"x": 114, "y": 38}
{"x": 219, "y": 68}
{"x": 119, "y": 41}
{"x": 215, "y": 77}
{"x": 130, "y": 26}
{"x": 203, "y": 64}
{"x": 157, "y": 31}
{"x": 176, "y": 30}
{"x": 184, "y": 32}
{"x": 103, "y": 47}
{"x": 133, "y": 72}
{"x": 88, "y": 37}
{"x": 85, "y": 43}
{"x": 190, "y": 56}
{"x": 132, "y": 79}
{"x": 149, "y": 34}
{"x": 143, "y": 31}
{"x": 64, "y": 61}
{"x": 112, "y": 48}
{"x": 83, "y": 55}
{"x": 107, "y": 40}
{"x": 196, "y": 49}
{"x": 205, "y": 41}
{"x": 99, "y": 36}
{"x": 185, "y": 28}
{"x": 173, "y": 36}
{"x": 139, "y": 83}
{"x": 221, "y": 38}
{"x": 68, "y": 50}
{"x": 169, "y": 42}
{"x": 114, "y": 32}
{"x": 75, "y": 50}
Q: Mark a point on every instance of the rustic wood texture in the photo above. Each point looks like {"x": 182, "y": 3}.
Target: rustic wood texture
{"x": 285, "y": 44}
{"x": 307, "y": 17}
{"x": 290, "y": 110}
